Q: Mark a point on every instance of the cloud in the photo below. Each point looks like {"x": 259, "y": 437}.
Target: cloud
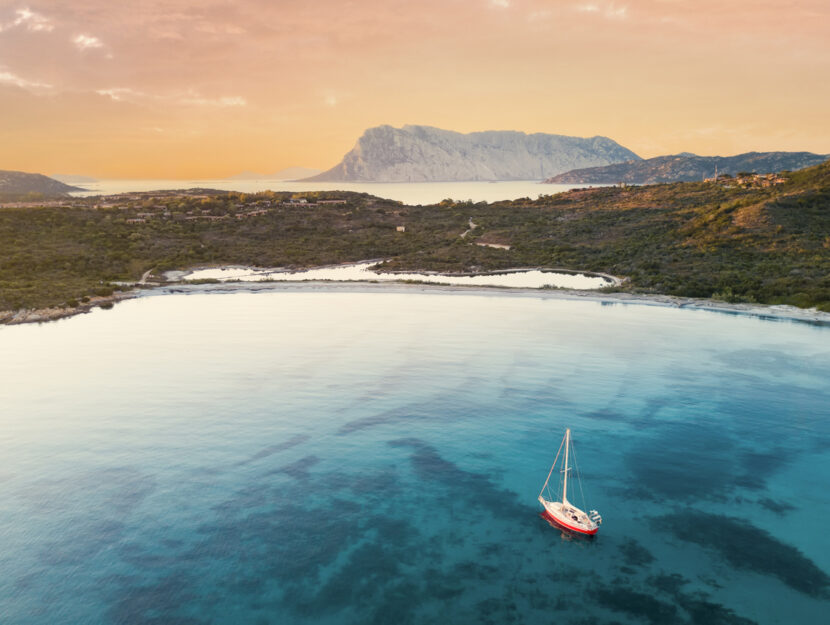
{"x": 223, "y": 102}
{"x": 502, "y": 4}
{"x": 7, "y": 78}
{"x": 609, "y": 11}
{"x": 31, "y": 21}
{"x": 614, "y": 12}
{"x": 188, "y": 98}
{"x": 120, "y": 93}
{"x": 86, "y": 42}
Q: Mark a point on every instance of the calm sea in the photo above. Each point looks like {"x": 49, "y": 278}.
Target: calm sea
{"x": 409, "y": 193}
{"x": 354, "y": 457}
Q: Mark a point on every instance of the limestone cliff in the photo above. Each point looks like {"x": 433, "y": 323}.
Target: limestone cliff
{"x": 426, "y": 154}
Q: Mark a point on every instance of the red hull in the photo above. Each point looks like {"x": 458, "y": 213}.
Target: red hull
{"x": 552, "y": 519}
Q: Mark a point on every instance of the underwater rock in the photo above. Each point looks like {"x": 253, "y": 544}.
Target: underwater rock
{"x": 747, "y": 547}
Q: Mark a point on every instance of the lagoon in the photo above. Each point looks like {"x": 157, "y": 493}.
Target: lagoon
{"x": 364, "y": 272}
{"x": 356, "y": 457}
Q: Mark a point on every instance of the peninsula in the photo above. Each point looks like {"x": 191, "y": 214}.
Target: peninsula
{"x": 689, "y": 167}
{"x": 14, "y": 184}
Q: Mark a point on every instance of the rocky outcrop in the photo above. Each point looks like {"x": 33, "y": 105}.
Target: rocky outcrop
{"x": 40, "y": 315}
{"x": 426, "y": 154}
{"x": 18, "y": 182}
{"x": 688, "y": 167}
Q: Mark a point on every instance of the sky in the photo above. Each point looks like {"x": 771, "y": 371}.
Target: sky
{"x": 209, "y": 88}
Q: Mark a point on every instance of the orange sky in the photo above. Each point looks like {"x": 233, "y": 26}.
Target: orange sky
{"x": 208, "y": 88}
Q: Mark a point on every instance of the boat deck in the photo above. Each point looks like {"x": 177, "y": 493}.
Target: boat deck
{"x": 569, "y": 516}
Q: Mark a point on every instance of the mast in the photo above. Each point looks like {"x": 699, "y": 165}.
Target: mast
{"x": 565, "y": 485}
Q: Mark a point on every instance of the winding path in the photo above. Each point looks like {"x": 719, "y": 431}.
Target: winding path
{"x": 470, "y": 229}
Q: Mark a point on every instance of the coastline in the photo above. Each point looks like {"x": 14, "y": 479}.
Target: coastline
{"x": 761, "y": 311}
{"x": 54, "y": 313}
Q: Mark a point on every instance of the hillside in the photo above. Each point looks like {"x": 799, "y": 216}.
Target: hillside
{"x": 20, "y": 183}
{"x": 758, "y": 244}
{"x": 688, "y": 168}
{"x": 424, "y": 154}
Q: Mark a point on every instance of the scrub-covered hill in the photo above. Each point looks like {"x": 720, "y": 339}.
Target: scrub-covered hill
{"x": 18, "y": 183}
{"x": 688, "y": 168}
{"x": 754, "y": 243}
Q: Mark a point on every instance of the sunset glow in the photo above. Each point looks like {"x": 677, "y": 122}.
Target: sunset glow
{"x": 180, "y": 88}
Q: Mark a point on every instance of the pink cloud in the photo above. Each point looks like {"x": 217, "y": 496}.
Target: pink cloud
{"x": 86, "y": 42}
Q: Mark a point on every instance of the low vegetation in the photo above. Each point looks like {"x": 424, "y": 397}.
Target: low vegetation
{"x": 768, "y": 245}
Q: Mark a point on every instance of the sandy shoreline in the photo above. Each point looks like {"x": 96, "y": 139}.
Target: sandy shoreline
{"x": 762, "y": 311}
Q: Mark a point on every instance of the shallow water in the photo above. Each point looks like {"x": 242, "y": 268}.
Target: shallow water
{"x": 362, "y": 272}
{"x": 375, "y": 457}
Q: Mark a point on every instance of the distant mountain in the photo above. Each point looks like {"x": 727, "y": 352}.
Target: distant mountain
{"x": 72, "y": 178}
{"x": 289, "y": 173}
{"x": 18, "y": 182}
{"x": 425, "y": 154}
{"x": 688, "y": 167}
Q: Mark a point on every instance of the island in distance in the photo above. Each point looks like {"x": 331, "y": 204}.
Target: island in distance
{"x": 427, "y": 154}
{"x": 688, "y": 168}
{"x": 19, "y": 182}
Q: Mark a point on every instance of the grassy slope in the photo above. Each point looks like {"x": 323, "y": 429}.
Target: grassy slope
{"x": 696, "y": 239}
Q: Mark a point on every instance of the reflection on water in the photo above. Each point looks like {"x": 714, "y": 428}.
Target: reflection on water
{"x": 362, "y": 272}
{"x": 331, "y": 457}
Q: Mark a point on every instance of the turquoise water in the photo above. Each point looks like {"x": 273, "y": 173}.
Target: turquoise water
{"x": 336, "y": 457}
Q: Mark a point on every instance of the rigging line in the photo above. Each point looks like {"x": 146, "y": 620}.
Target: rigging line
{"x": 551, "y": 468}
{"x": 578, "y": 478}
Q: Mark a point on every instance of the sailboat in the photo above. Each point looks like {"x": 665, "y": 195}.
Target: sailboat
{"x": 563, "y": 512}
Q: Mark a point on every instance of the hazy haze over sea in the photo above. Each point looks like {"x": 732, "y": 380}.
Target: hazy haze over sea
{"x": 407, "y": 192}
